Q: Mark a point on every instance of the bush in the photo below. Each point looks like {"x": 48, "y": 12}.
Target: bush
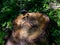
{"x": 9, "y": 9}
